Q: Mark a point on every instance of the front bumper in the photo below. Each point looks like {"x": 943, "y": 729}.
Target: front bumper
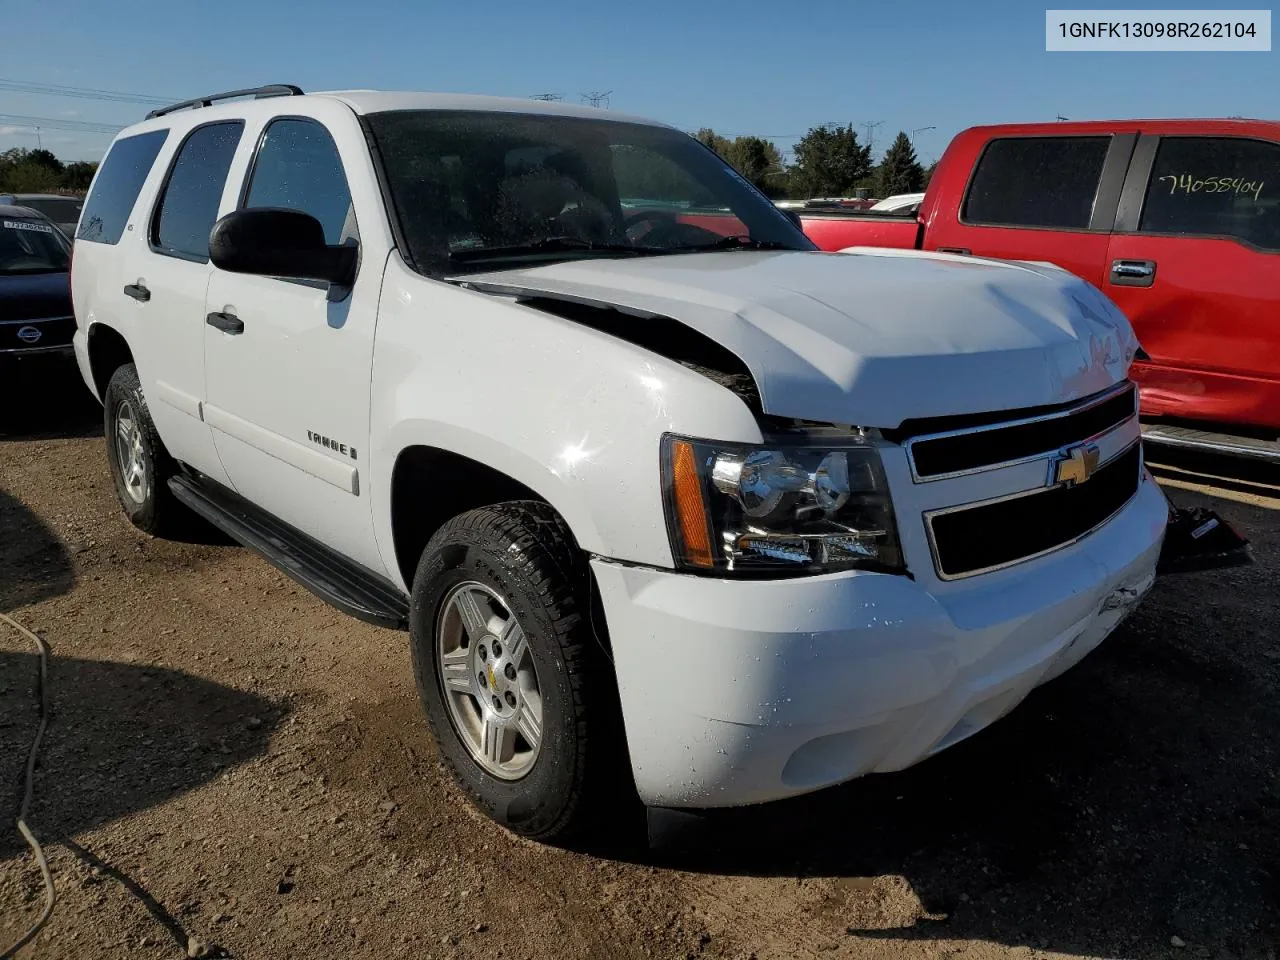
{"x": 737, "y": 692}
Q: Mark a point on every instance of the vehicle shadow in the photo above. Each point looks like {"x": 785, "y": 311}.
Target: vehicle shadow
{"x": 44, "y": 398}
{"x": 34, "y": 563}
{"x": 121, "y": 738}
{"x": 1133, "y": 800}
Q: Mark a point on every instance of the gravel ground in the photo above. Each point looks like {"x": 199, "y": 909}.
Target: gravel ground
{"x": 233, "y": 769}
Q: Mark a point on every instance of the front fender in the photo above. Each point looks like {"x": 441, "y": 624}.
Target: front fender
{"x": 572, "y": 413}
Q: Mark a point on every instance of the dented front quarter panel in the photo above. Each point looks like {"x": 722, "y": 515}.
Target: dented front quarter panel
{"x": 573, "y": 414}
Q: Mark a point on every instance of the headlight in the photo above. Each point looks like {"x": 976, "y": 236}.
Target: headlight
{"x": 808, "y": 504}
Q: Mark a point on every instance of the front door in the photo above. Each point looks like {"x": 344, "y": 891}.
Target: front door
{"x": 288, "y": 362}
{"x": 1195, "y": 265}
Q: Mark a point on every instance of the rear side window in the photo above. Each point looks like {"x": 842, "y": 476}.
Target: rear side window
{"x": 298, "y": 167}
{"x": 116, "y": 188}
{"x": 1215, "y": 187}
{"x": 1037, "y": 182}
{"x": 189, "y": 201}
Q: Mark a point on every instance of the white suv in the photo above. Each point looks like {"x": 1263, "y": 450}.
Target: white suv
{"x": 670, "y": 502}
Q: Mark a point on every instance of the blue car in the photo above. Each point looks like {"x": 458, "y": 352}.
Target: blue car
{"x": 35, "y": 285}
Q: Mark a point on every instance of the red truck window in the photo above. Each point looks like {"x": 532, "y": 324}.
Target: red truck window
{"x": 1215, "y": 187}
{"x": 1046, "y": 182}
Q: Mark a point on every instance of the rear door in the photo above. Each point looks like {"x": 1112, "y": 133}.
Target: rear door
{"x": 169, "y": 285}
{"x": 1042, "y": 198}
{"x": 1195, "y": 264}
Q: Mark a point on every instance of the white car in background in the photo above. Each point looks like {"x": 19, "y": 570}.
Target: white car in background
{"x": 903, "y": 204}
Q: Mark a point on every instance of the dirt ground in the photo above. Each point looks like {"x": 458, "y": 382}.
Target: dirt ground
{"x": 233, "y": 763}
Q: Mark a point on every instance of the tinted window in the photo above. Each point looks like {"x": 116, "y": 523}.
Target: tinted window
{"x": 475, "y": 189}
{"x": 1218, "y": 187}
{"x": 27, "y": 246}
{"x": 1037, "y": 182}
{"x": 645, "y": 174}
{"x": 116, "y": 189}
{"x": 298, "y": 167}
{"x": 189, "y": 203}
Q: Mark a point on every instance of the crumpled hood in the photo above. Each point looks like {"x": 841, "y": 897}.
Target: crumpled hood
{"x": 874, "y": 337}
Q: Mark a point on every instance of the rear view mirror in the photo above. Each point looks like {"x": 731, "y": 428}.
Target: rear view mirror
{"x": 277, "y": 242}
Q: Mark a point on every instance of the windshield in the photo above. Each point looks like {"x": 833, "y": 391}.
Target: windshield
{"x": 488, "y": 190}
{"x": 27, "y": 246}
{"x": 57, "y": 210}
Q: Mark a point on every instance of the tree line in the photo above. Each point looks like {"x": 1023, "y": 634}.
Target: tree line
{"x": 829, "y": 162}
{"x": 39, "y": 171}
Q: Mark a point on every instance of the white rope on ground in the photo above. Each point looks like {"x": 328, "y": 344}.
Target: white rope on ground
{"x": 51, "y": 894}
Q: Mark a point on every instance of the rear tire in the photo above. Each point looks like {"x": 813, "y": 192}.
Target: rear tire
{"x": 140, "y": 466}
{"x": 520, "y": 697}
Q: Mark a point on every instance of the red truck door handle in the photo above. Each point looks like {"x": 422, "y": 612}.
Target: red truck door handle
{"x": 1133, "y": 273}
{"x": 963, "y": 251}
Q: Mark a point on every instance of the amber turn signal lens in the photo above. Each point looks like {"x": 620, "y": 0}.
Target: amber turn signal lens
{"x": 691, "y": 511}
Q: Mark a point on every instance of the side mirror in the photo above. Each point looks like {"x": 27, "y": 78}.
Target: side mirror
{"x": 276, "y": 242}
{"x": 794, "y": 218}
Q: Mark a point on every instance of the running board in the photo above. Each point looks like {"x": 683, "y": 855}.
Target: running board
{"x": 1225, "y": 443}
{"x": 333, "y": 578}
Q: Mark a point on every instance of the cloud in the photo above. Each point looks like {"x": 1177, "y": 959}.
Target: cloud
{"x": 71, "y": 113}
{"x": 11, "y": 131}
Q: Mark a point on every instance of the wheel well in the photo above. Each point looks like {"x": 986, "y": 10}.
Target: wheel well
{"x": 108, "y": 352}
{"x": 430, "y": 486}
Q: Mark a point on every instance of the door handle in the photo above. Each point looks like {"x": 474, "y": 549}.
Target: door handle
{"x": 1133, "y": 273}
{"x": 226, "y": 322}
{"x": 963, "y": 251}
{"x": 138, "y": 291}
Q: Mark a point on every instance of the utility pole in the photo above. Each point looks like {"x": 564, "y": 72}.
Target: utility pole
{"x": 871, "y": 132}
{"x": 39, "y": 142}
{"x": 597, "y": 98}
{"x": 918, "y": 130}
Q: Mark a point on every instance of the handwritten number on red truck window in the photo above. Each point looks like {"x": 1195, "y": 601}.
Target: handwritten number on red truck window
{"x": 1186, "y": 183}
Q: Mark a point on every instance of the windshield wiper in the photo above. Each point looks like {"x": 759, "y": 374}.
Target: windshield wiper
{"x": 553, "y": 245}
{"x": 737, "y": 241}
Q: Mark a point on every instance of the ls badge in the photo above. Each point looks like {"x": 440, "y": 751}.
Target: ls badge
{"x": 1077, "y": 465}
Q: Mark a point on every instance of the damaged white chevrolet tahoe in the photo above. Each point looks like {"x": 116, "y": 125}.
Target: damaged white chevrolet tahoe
{"x": 663, "y": 495}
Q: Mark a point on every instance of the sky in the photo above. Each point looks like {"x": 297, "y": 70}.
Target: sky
{"x": 746, "y": 67}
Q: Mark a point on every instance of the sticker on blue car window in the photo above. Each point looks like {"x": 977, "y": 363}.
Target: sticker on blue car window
{"x": 24, "y": 225}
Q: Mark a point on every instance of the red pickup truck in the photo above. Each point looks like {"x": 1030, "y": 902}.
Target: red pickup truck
{"x": 1177, "y": 221}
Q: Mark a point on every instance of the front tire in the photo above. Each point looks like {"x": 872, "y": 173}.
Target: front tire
{"x": 519, "y": 696}
{"x": 140, "y": 466}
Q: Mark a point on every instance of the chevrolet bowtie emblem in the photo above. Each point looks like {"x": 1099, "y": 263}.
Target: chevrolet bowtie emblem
{"x": 1077, "y": 465}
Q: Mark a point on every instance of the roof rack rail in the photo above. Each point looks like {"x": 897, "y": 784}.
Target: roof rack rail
{"x": 258, "y": 93}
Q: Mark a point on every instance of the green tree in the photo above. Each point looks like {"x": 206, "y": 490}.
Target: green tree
{"x": 829, "y": 162}
{"x": 760, "y": 162}
{"x": 30, "y": 171}
{"x": 709, "y": 138}
{"x": 28, "y": 177}
{"x": 900, "y": 171}
{"x": 756, "y": 159}
{"x": 44, "y": 158}
{"x": 78, "y": 174}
